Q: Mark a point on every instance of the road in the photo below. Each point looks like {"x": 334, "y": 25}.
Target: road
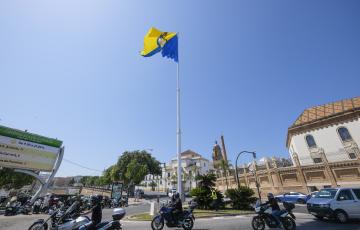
{"x": 304, "y": 221}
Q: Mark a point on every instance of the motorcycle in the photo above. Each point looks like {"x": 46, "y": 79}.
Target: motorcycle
{"x": 118, "y": 214}
{"x": 37, "y": 206}
{"x": 186, "y": 220}
{"x": 60, "y": 220}
{"x": 12, "y": 208}
{"x": 264, "y": 217}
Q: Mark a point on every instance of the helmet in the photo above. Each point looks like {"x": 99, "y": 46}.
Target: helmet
{"x": 176, "y": 195}
{"x": 94, "y": 199}
{"x": 270, "y": 195}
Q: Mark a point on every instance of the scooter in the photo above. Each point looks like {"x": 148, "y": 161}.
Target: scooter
{"x": 264, "y": 217}
{"x": 118, "y": 214}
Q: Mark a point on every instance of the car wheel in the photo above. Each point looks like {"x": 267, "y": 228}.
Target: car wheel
{"x": 341, "y": 216}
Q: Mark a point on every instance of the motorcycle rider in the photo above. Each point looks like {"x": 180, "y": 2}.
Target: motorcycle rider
{"x": 272, "y": 202}
{"x": 176, "y": 204}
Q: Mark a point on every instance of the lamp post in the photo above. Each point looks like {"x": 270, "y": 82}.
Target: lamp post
{"x": 236, "y": 172}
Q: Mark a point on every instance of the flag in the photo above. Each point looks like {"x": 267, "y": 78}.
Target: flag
{"x": 156, "y": 41}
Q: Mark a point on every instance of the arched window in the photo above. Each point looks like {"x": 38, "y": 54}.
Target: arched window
{"x": 310, "y": 141}
{"x": 344, "y": 134}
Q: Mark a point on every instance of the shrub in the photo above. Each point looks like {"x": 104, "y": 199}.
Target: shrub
{"x": 202, "y": 193}
{"x": 202, "y": 197}
{"x": 241, "y": 198}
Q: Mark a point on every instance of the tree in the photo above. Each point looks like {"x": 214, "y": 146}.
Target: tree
{"x": 132, "y": 167}
{"x": 72, "y": 181}
{"x": 9, "y": 179}
{"x": 206, "y": 181}
{"x": 152, "y": 185}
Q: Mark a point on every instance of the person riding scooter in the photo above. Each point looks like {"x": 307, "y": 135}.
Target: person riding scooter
{"x": 272, "y": 202}
{"x": 176, "y": 204}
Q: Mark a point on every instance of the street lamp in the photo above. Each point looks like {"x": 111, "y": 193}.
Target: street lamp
{"x": 236, "y": 172}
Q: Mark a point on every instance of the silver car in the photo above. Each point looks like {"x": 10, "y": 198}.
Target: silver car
{"x": 339, "y": 203}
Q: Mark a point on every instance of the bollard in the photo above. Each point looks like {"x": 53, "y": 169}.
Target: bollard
{"x": 152, "y": 208}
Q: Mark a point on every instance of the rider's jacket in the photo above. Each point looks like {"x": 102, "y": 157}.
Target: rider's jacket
{"x": 273, "y": 204}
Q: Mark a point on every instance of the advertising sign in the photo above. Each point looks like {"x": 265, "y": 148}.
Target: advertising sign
{"x": 23, "y": 150}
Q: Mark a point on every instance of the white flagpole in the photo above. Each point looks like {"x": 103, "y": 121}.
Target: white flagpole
{"x": 178, "y": 133}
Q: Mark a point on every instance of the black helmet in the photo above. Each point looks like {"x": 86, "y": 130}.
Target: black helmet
{"x": 176, "y": 195}
{"x": 270, "y": 195}
{"x": 94, "y": 199}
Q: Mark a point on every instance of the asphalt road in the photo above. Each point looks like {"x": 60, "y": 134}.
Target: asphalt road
{"x": 304, "y": 221}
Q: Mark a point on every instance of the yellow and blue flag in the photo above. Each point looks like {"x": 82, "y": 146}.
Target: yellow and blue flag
{"x": 156, "y": 41}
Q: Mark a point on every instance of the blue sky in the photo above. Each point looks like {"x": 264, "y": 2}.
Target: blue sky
{"x": 72, "y": 70}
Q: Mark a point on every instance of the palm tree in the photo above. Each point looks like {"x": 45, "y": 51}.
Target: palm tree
{"x": 206, "y": 181}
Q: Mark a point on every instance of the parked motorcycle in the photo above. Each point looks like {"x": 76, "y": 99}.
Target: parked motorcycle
{"x": 37, "y": 206}
{"x": 118, "y": 214}
{"x": 264, "y": 217}
{"x": 60, "y": 220}
{"x": 186, "y": 220}
{"x": 12, "y": 208}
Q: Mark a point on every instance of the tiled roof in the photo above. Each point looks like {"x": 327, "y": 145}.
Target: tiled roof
{"x": 321, "y": 112}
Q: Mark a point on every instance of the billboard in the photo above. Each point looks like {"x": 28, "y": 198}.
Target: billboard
{"x": 23, "y": 150}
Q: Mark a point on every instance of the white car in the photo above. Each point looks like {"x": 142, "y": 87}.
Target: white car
{"x": 172, "y": 192}
{"x": 339, "y": 203}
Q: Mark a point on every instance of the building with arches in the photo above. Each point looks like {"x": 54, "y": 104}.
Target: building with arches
{"x": 323, "y": 144}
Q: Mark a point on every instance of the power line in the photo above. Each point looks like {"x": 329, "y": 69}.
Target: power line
{"x": 81, "y": 166}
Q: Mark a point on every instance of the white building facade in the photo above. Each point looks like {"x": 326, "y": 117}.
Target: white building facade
{"x": 328, "y": 132}
{"x": 192, "y": 163}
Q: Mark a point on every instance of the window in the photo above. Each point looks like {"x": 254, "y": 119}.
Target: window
{"x": 345, "y": 195}
{"x": 310, "y": 141}
{"x": 357, "y": 193}
{"x": 344, "y": 134}
{"x": 317, "y": 160}
{"x": 352, "y": 155}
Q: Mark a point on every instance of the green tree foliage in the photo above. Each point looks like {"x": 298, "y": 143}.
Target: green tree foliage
{"x": 132, "y": 167}
{"x": 14, "y": 180}
{"x": 153, "y": 185}
{"x": 206, "y": 184}
{"x": 241, "y": 198}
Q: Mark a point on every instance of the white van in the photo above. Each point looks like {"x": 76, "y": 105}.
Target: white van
{"x": 339, "y": 203}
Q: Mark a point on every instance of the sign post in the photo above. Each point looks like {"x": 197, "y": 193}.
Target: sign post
{"x": 28, "y": 152}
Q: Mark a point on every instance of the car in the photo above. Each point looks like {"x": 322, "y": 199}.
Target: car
{"x": 336, "y": 203}
{"x": 292, "y": 197}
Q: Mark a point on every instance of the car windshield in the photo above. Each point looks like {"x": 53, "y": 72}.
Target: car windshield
{"x": 326, "y": 193}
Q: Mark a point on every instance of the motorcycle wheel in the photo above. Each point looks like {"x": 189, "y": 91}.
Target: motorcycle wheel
{"x": 188, "y": 224}
{"x": 38, "y": 226}
{"x": 257, "y": 223}
{"x": 289, "y": 223}
{"x": 157, "y": 223}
